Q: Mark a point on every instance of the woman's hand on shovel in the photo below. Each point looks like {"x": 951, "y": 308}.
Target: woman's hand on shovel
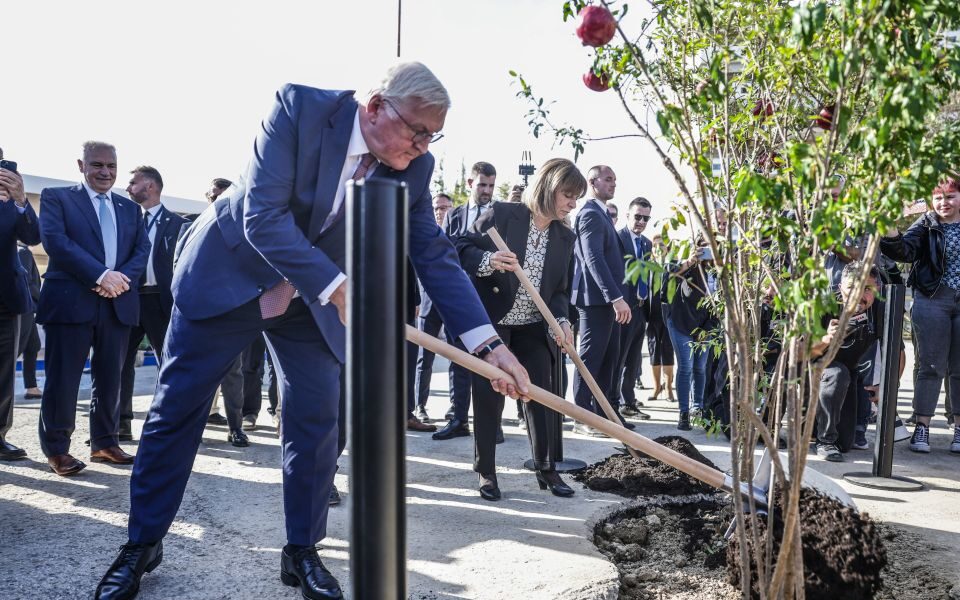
{"x": 502, "y": 358}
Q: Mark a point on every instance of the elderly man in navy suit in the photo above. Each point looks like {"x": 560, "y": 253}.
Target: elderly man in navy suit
{"x": 156, "y": 301}
{"x": 635, "y": 244}
{"x": 598, "y": 293}
{"x": 275, "y": 256}
{"x": 17, "y": 222}
{"x": 96, "y": 245}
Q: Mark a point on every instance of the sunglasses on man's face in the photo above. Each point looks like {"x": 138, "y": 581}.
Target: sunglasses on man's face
{"x": 644, "y": 218}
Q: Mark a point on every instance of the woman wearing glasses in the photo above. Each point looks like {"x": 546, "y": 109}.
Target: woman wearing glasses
{"x": 542, "y": 246}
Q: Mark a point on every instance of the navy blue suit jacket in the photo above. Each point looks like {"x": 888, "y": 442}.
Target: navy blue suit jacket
{"x": 70, "y": 232}
{"x": 14, "y": 279}
{"x": 164, "y": 244}
{"x": 271, "y": 230}
{"x": 600, "y": 263}
{"x": 629, "y": 248}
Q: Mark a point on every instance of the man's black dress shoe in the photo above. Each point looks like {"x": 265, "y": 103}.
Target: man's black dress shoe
{"x": 301, "y": 566}
{"x": 334, "y": 496}
{"x": 10, "y": 452}
{"x": 217, "y": 419}
{"x": 489, "y": 489}
{"x": 551, "y": 480}
{"x": 453, "y": 428}
{"x": 238, "y": 438}
{"x": 122, "y": 580}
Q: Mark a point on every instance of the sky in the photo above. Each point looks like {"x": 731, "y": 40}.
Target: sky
{"x": 182, "y": 86}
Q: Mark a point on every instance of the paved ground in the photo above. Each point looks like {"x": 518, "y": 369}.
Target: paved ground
{"x": 57, "y": 535}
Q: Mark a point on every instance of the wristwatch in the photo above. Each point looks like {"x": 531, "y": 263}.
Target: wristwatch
{"x": 488, "y": 348}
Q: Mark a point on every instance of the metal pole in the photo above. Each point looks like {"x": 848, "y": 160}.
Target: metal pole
{"x": 881, "y": 477}
{"x": 376, "y": 386}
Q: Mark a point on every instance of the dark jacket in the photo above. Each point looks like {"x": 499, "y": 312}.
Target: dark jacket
{"x": 600, "y": 261}
{"x": 30, "y": 266}
{"x": 164, "y": 243}
{"x": 923, "y": 244}
{"x": 685, "y": 311}
{"x": 15, "y": 297}
{"x": 499, "y": 290}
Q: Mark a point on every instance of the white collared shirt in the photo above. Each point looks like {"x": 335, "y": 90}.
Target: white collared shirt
{"x": 150, "y": 215}
{"x": 96, "y": 204}
{"x": 472, "y": 213}
{"x": 356, "y": 148}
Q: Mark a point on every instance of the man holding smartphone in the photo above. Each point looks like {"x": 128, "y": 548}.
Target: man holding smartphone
{"x": 18, "y": 221}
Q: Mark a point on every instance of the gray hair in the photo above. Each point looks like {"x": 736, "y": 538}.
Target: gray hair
{"x": 91, "y": 145}
{"x": 412, "y": 80}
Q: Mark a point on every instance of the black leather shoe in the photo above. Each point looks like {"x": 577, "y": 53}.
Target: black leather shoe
{"x": 217, "y": 419}
{"x": 122, "y": 580}
{"x": 301, "y": 566}
{"x": 551, "y": 480}
{"x": 489, "y": 488}
{"x": 334, "y": 497}
{"x": 453, "y": 428}
{"x": 238, "y": 438}
{"x": 10, "y": 452}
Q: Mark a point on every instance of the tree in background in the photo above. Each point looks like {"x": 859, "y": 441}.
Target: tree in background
{"x": 755, "y": 107}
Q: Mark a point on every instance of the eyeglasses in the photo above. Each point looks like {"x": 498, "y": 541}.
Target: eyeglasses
{"x": 419, "y": 135}
{"x": 644, "y": 218}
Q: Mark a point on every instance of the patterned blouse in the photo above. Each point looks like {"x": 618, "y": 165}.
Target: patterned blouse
{"x": 951, "y": 272}
{"x": 524, "y": 311}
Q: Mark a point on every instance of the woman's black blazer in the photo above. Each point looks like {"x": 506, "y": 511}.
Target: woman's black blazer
{"x": 499, "y": 290}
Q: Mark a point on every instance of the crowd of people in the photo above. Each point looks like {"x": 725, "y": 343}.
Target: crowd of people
{"x": 124, "y": 270}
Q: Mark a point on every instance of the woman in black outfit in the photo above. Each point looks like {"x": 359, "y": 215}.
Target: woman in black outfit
{"x": 658, "y": 338}
{"x": 542, "y": 245}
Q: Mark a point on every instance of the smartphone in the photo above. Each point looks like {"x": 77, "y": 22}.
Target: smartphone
{"x": 8, "y": 165}
{"x": 704, "y": 253}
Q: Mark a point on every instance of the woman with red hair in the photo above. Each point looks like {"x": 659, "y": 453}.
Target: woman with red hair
{"x": 932, "y": 244}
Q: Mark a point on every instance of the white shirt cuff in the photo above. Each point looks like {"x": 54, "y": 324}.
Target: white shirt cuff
{"x": 328, "y": 291}
{"x": 616, "y": 299}
{"x": 473, "y": 339}
{"x": 102, "y": 275}
{"x": 20, "y": 209}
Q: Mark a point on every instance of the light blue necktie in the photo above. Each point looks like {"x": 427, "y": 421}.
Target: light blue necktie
{"x": 109, "y": 233}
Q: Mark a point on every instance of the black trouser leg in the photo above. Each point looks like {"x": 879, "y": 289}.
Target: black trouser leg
{"x": 30, "y": 357}
{"x": 252, "y": 370}
{"x": 9, "y": 335}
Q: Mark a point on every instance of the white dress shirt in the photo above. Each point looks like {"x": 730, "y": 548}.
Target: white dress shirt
{"x": 472, "y": 213}
{"x": 356, "y": 148}
{"x": 150, "y": 217}
{"x": 96, "y": 210}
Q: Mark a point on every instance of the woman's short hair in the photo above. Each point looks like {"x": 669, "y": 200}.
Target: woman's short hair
{"x": 555, "y": 174}
{"x": 950, "y": 184}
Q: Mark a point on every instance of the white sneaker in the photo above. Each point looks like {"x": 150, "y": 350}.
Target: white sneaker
{"x": 900, "y": 432}
{"x": 829, "y": 452}
{"x": 955, "y": 445}
{"x": 920, "y": 442}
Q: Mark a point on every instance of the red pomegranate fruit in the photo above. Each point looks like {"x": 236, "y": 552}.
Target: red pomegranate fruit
{"x": 595, "y": 26}
{"x": 597, "y": 83}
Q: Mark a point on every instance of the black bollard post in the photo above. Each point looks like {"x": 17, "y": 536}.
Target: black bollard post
{"x": 882, "y": 475}
{"x": 376, "y": 387}
{"x": 560, "y": 464}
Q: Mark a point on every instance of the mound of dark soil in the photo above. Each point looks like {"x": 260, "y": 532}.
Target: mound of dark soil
{"x": 627, "y": 476}
{"x": 671, "y": 549}
{"x": 843, "y": 552}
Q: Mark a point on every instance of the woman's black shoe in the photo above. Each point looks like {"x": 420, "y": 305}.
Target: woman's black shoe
{"x": 489, "y": 490}
{"x": 683, "y": 423}
{"x": 551, "y": 480}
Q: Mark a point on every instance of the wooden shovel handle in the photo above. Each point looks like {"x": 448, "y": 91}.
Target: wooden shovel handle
{"x": 558, "y": 331}
{"x": 697, "y": 470}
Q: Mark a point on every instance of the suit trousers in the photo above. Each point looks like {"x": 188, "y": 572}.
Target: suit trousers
{"x": 253, "y": 366}
{"x": 9, "y": 335}
{"x": 198, "y": 353}
{"x": 459, "y": 385}
{"x": 632, "y": 336}
{"x": 529, "y": 344}
{"x": 431, "y": 325}
{"x": 68, "y": 345}
{"x": 153, "y": 325}
{"x": 29, "y": 347}
{"x": 600, "y": 351}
